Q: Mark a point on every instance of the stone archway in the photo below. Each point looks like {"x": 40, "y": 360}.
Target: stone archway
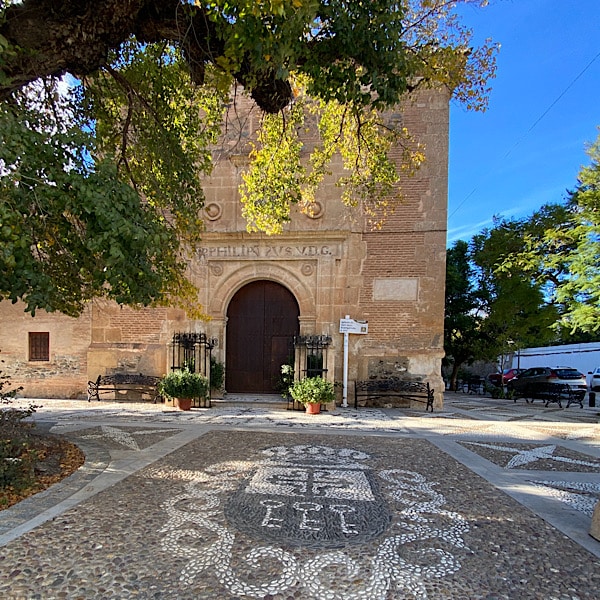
{"x": 262, "y": 318}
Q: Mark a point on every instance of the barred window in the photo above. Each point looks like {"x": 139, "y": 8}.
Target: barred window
{"x": 39, "y": 345}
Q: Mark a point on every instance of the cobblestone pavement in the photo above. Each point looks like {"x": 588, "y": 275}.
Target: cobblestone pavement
{"x": 487, "y": 499}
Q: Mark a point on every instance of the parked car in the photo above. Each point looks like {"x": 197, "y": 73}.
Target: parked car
{"x": 537, "y": 377}
{"x": 595, "y": 380}
{"x": 503, "y": 378}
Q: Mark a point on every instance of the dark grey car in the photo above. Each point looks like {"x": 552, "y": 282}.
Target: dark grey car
{"x": 533, "y": 382}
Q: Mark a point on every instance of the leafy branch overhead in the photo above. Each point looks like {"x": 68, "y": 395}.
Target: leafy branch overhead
{"x": 110, "y": 112}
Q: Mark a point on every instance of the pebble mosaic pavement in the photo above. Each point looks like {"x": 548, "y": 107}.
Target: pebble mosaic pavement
{"x": 484, "y": 500}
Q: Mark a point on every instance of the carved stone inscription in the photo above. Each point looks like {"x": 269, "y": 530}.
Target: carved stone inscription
{"x": 253, "y": 251}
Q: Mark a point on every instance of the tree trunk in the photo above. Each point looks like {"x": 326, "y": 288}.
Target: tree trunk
{"x": 454, "y": 377}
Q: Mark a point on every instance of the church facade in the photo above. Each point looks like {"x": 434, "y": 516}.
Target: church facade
{"x": 274, "y": 300}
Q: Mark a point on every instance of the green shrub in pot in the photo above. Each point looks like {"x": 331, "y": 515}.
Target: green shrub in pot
{"x": 311, "y": 390}
{"x": 183, "y": 384}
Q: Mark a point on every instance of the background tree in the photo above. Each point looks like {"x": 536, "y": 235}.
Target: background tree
{"x": 557, "y": 248}
{"x": 516, "y": 312}
{"x": 580, "y": 292}
{"x": 464, "y": 339}
{"x": 567, "y": 251}
{"x": 491, "y": 313}
{"x": 100, "y": 172}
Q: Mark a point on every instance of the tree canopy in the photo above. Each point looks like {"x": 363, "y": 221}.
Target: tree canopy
{"x": 517, "y": 314}
{"x": 462, "y": 316}
{"x": 490, "y": 312}
{"x": 524, "y": 282}
{"x": 109, "y": 111}
{"x": 558, "y": 248}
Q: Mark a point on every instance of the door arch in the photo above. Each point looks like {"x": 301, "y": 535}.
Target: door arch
{"x": 262, "y": 319}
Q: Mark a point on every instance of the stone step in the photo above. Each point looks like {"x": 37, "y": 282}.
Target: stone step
{"x": 271, "y": 400}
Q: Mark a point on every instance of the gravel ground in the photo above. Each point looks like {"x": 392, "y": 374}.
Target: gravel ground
{"x": 233, "y": 502}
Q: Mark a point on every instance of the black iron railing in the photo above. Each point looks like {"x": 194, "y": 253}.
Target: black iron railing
{"x": 311, "y": 355}
{"x": 192, "y": 351}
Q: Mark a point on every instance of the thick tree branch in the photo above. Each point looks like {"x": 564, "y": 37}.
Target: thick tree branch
{"x": 76, "y": 36}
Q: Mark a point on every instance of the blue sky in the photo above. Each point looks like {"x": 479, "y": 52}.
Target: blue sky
{"x": 528, "y": 147}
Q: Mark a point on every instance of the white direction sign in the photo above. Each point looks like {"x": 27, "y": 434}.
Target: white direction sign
{"x": 353, "y": 326}
{"x": 348, "y": 326}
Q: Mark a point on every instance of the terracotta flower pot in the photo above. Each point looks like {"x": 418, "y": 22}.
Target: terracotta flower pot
{"x": 183, "y": 403}
{"x": 313, "y": 408}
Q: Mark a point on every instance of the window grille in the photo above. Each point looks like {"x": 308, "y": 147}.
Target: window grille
{"x": 311, "y": 355}
{"x": 39, "y": 346}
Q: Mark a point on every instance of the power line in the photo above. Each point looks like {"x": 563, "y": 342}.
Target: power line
{"x": 518, "y": 142}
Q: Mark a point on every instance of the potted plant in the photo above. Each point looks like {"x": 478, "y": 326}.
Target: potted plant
{"x": 286, "y": 378}
{"x": 312, "y": 392}
{"x": 183, "y": 386}
{"x": 217, "y": 375}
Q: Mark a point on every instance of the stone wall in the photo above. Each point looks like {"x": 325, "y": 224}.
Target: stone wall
{"x": 331, "y": 260}
{"x": 65, "y": 374}
{"x": 403, "y": 290}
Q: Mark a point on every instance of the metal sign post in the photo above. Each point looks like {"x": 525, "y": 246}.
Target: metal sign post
{"x": 345, "y": 381}
{"x": 348, "y": 326}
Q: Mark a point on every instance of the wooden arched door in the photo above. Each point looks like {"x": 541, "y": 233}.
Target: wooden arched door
{"x": 262, "y": 320}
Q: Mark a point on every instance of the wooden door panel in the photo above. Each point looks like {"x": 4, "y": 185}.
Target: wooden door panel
{"x": 280, "y": 354}
{"x": 262, "y": 320}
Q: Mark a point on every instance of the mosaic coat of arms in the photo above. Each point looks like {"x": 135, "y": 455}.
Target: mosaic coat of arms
{"x": 314, "y": 518}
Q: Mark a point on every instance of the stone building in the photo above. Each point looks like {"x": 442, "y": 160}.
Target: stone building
{"x": 263, "y": 293}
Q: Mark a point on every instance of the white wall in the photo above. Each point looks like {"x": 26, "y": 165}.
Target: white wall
{"x": 583, "y": 357}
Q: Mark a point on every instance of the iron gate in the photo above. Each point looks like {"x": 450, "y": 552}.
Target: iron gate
{"x": 193, "y": 351}
{"x": 310, "y": 360}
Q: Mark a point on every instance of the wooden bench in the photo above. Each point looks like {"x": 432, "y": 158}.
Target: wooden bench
{"x": 551, "y": 392}
{"x": 394, "y": 388}
{"x": 124, "y": 382}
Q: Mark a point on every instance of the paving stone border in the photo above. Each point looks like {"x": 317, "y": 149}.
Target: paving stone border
{"x": 538, "y": 457}
{"x": 97, "y": 459}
